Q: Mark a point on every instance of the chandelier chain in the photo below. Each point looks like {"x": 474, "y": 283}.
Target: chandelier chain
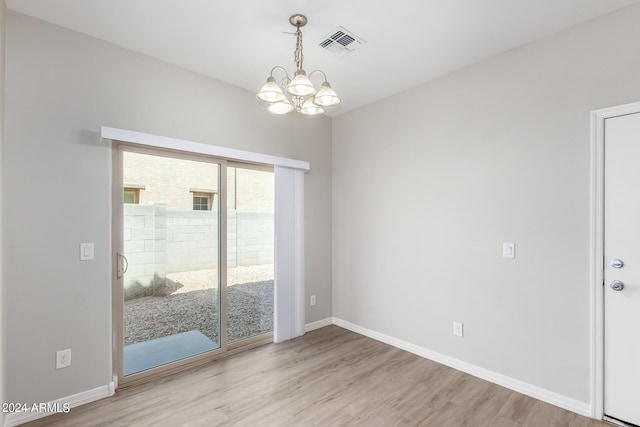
{"x": 297, "y": 55}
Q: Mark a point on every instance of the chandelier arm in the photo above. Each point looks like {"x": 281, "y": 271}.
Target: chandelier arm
{"x": 284, "y": 83}
{"x": 318, "y": 71}
{"x": 278, "y": 67}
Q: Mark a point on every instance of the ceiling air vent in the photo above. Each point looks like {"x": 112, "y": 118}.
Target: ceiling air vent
{"x": 341, "y": 41}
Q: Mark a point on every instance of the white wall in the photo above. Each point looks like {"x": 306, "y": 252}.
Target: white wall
{"x": 61, "y": 87}
{"x": 2, "y": 311}
{"x": 429, "y": 183}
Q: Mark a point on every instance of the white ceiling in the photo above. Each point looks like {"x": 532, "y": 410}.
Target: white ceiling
{"x": 409, "y": 42}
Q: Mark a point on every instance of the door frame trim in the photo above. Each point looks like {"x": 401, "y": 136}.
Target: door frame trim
{"x": 596, "y": 249}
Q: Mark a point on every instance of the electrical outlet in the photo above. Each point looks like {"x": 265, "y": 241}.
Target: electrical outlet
{"x": 509, "y": 250}
{"x": 312, "y": 300}
{"x": 63, "y": 359}
{"x": 457, "y": 329}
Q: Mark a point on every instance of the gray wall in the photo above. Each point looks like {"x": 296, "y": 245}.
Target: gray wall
{"x": 61, "y": 87}
{"x": 2, "y": 313}
{"x": 429, "y": 183}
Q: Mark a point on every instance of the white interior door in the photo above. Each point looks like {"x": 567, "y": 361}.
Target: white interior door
{"x": 622, "y": 268}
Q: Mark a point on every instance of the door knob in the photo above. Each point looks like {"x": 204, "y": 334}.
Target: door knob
{"x": 617, "y": 263}
{"x": 617, "y": 285}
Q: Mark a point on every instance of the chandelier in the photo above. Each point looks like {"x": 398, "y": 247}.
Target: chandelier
{"x": 298, "y": 93}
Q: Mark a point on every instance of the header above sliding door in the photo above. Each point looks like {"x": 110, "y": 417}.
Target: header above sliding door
{"x": 199, "y": 148}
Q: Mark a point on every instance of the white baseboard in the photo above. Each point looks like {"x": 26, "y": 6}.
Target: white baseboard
{"x": 17, "y": 418}
{"x": 318, "y": 324}
{"x": 494, "y": 377}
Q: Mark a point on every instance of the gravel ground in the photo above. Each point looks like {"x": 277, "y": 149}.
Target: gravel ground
{"x": 193, "y": 305}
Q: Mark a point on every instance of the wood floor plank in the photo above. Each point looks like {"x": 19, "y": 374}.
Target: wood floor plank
{"x": 328, "y": 377}
{"x": 517, "y": 408}
{"x": 449, "y": 414}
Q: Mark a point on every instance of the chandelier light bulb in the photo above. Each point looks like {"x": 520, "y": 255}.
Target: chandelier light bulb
{"x": 271, "y": 92}
{"x": 282, "y": 107}
{"x": 301, "y": 85}
{"x": 311, "y": 109}
{"x": 326, "y": 96}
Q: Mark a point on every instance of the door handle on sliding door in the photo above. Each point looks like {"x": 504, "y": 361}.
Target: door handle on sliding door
{"x": 123, "y": 265}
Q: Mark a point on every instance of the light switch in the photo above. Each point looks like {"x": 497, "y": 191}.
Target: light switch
{"x": 86, "y": 251}
{"x": 457, "y": 329}
{"x": 508, "y": 250}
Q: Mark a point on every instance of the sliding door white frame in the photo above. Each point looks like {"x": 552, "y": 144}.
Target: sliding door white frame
{"x": 289, "y": 293}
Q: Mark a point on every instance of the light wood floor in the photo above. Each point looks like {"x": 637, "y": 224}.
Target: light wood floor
{"x": 329, "y": 377}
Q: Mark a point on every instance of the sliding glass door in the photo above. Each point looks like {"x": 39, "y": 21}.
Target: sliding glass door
{"x": 194, "y": 239}
{"x": 250, "y": 254}
{"x": 171, "y": 223}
